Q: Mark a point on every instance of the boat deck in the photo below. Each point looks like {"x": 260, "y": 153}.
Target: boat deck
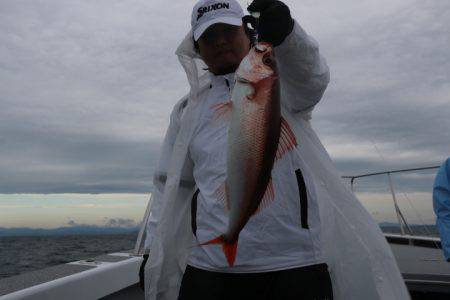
{"x": 423, "y": 268}
{"x": 93, "y": 278}
{"x": 26, "y": 280}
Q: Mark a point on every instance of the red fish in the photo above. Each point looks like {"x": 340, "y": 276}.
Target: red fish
{"x": 257, "y": 136}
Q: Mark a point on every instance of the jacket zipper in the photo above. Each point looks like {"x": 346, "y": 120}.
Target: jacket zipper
{"x": 194, "y": 212}
{"x": 303, "y": 199}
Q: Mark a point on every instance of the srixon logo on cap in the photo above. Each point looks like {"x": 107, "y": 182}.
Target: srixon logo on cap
{"x": 203, "y": 10}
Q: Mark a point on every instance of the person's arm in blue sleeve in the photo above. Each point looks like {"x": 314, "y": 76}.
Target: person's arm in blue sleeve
{"x": 304, "y": 73}
{"x": 441, "y": 204}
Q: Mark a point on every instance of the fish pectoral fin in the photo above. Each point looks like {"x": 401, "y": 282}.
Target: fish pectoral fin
{"x": 229, "y": 249}
{"x": 287, "y": 139}
{"x": 261, "y": 90}
{"x": 222, "y": 111}
{"x": 268, "y": 197}
{"x": 222, "y": 194}
{"x": 216, "y": 241}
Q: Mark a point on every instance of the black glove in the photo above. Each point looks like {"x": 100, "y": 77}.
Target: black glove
{"x": 275, "y": 22}
{"x": 141, "y": 272}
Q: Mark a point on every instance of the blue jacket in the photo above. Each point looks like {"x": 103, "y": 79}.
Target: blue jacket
{"x": 441, "y": 204}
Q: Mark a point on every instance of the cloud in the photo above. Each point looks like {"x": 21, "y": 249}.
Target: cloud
{"x": 85, "y": 97}
{"x": 388, "y": 100}
{"x": 72, "y": 223}
{"x": 35, "y": 162}
{"x": 86, "y": 88}
{"x": 67, "y": 206}
{"x": 118, "y": 222}
{"x": 108, "y": 222}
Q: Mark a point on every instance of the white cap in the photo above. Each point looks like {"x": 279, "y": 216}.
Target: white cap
{"x": 208, "y": 12}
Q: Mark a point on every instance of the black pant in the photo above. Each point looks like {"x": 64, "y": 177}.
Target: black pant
{"x": 309, "y": 283}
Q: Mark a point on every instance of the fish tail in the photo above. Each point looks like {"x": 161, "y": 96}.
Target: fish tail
{"x": 229, "y": 249}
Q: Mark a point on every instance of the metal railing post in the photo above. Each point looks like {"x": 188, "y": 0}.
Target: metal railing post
{"x": 401, "y": 219}
{"x": 141, "y": 236}
{"x": 397, "y": 209}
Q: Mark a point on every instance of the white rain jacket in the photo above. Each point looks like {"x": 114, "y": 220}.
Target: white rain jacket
{"x": 360, "y": 261}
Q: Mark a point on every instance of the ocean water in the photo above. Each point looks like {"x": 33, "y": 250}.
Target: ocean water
{"x": 24, "y": 254}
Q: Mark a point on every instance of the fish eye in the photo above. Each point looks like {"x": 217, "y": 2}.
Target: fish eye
{"x": 267, "y": 60}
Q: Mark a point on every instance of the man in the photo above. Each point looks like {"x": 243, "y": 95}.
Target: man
{"x": 441, "y": 204}
{"x": 314, "y": 221}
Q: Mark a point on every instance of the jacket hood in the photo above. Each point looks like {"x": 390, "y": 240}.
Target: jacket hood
{"x": 193, "y": 65}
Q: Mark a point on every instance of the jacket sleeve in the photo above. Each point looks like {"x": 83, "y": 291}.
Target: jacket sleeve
{"x": 160, "y": 175}
{"x": 304, "y": 73}
{"x": 441, "y": 204}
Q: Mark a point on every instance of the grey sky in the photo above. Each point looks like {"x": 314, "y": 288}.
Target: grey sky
{"x": 86, "y": 87}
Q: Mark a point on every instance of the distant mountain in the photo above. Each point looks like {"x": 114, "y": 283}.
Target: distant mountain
{"x": 387, "y": 227}
{"x": 72, "y": 230}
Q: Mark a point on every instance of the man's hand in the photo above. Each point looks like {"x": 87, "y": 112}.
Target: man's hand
{"x": 141, "y": 272}
{"x": 275, "y": 22}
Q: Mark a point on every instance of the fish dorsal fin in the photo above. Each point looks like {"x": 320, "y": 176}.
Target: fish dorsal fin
{"x": 268, "y": 197}
{"x": 287, "y": 139}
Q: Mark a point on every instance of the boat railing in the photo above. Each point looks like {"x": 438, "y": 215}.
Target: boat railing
{"x": 139, "y": 248}
{"x": 405, "y": 229}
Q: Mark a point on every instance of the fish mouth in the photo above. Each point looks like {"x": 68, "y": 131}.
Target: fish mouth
{"x": 263, "y": 47}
